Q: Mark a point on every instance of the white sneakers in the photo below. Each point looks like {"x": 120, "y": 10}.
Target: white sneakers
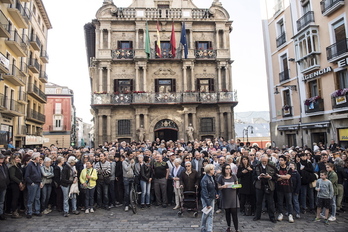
{"x": 87, "y": 211}
{"x": 280, "y": 217}
{"x": 91, "y": 210}
{"x": 126, "y": 208}
{"x": 332, "y": 218}
{"x": 291, "y": 219}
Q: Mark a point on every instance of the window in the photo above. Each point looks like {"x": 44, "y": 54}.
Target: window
{"x": 284, "y": 75}
{"x": 124, "y": 127}
{"x": 342, "y": 79}
{"x": 125, "y": 44}
{"x": 204, "y": 45}
{"x": 165, "y": 85}
{"x": 123, "y": 85}
{"x": 163, "y": 6}
{"x": 286, "y": 98}
{"x": 281, "y": 38}
{"x": 314, "y": 88}
{"x": 58, "y": 108}
{"x": 207, "y": 124}
{"x": 280, "y": 25}
{"x": 165, "y": 50}
{"x": 57, "y": 121}
{"x": 58, "y": 90}
{"x": 205, "y": 85}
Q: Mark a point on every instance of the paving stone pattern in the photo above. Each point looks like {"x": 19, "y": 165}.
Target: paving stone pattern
{"x": 160, "y": 219}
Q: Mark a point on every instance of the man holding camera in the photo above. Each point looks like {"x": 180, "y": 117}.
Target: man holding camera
{"x": 264, "y": 179}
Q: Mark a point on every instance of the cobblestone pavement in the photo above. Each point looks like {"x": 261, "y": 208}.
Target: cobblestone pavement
{"x": 159, "y": 219}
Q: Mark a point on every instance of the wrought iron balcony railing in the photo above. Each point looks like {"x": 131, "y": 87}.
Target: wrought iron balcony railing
{"x": 336, "y": 50}
{"x": 283, "y": 76}
{"x": 305, "y": 20}
{"x": 281, "y": 39}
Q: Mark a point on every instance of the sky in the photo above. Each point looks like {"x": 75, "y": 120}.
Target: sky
{"x": 68, "y": 60}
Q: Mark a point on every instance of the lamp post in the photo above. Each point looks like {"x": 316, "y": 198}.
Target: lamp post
{"x": 246, "y": 132}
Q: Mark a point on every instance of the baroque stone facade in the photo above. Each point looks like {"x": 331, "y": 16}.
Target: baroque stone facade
{"x": 136, "y": 95}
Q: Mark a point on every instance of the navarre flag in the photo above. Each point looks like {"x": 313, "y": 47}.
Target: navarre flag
{"x": 158, "y": 43}
{"x": 183, "y": 40}
{"x": 173, "y": 42}
{"x": 147, "y": 42}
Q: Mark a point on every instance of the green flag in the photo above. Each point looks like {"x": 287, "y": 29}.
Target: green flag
{"x": 147, "y": 42}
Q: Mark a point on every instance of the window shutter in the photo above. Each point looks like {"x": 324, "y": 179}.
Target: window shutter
{"x": 131, "y": 44}
{"x": 156, "y": 85}
{"x": 197, "y": 45}
{"x": 131, "y": 84}
{"x": 119, "y": 45}
{"x": 198, "y": 86}
{"x": 210, "y": 45}
{"x": 211, "y": 85}
{"x": 319, "y": 87}
{"x": 173, "y": 85}
{"x": 116, "y": 85}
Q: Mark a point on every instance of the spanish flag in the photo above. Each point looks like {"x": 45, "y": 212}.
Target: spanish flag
{"x": 158, "y": 43}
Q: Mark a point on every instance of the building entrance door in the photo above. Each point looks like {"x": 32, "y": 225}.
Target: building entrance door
{"x": 167, "y": 130}
{"x": 319, "y": 137}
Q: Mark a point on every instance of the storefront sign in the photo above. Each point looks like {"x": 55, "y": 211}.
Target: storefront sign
{"x": 342, "y": 63}
{"x": 343, "y": 134}
{"x": 316, "y": 74}
{"x": 33, "y": 140}
{"x": 341, "y": 100}
{"x": 4, "y": 61}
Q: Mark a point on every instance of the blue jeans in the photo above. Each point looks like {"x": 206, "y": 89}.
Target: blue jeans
{"x": 305, "y": 189}
{"x": 65, "y": 191}
{"x": 207, "y": 219}
{"x": 102, "y": 194}
{"x": 45, "y": 195}
{"x": 2, "y": 200}
{"x": 33, "y": 198}
{"x": 127, "y": 183}
{"x": 296, "y": 203}
{"x": 89, "y": 198}
{"x": 145, "y": 192}
{"x": 288, "y": 200}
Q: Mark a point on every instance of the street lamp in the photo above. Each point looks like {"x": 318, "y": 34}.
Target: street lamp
{"x": 246, "y": 132}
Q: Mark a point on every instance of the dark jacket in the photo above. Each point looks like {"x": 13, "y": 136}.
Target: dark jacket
{"x": 271, "y": 170}
{"x": 189, "y": 181}
{"x": 295, "y": 181}
{"x": 67, "y": 179}
{"x": 146, "y": 172}
{"x": 57, "y": 176}
{"x": 33, "y": 173}
{"x": 4, "y": 177}
{"x": 307, "y": 172}
{"x": 208, "y": 189}
{"x": 246, "y": 179}
{"x": 16, "y": 174}
{"x": 119, "y": 171}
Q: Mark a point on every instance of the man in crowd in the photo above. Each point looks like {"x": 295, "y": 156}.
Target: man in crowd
{"x": 161, "y": 173}
{"x": 4, "y": 181}
{"x": 128, "y": 178}
{"x": 103, "y": 168}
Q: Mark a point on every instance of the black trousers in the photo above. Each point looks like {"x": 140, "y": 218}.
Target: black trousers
{"x": 247, "y": 198}
{"x": 170, "y": 191}
{"x": 260, "y": 194}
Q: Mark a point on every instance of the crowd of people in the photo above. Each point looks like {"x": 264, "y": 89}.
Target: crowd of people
{"x": 226, "y": 175}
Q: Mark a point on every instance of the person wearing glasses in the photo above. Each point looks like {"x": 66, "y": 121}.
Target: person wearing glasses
{"x": 175, "y": 174}
{"x": 229, "y": 199}
{"x": 189, "y": 179}
{"x": 208, "y": 196}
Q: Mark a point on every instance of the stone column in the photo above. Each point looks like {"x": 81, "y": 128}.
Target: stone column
{"x": 97, "y": 38}
{"x": 192, "y": 78}
{"x": 147, "y": 126}
{"x": 217, "y": 39}
{"x": 221, "y": 119}
{"x": 136, "y": 39}
{"x": 108, "y": 127}
{"x": 185, "y": 78}
{"x": 136, "y": 78}
{"x": 109, "y": 38}
{"x": 108, "y": 80}
{"x": 137, "y": 121}
{"x": 100, "y": 126}
{"x": 186, "y": 126}
{"x": 219, "y": 78}
{"x": 101, "y": 42}
{"x": 194, "y": 122}
{"x": 144, "y": 78}
{"x": 229, "y": 125}
{"x": 100, "y": 79}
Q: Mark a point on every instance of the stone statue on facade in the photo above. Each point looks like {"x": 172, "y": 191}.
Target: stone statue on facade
{"x": 190, "y": 131}
{"x": 141, "y": 133}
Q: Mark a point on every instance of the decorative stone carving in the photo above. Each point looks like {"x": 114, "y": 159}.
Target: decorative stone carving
{"x": 205, "y": 75}
{"x": 165, "y": 72}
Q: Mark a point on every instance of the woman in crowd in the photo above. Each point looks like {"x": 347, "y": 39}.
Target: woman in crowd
{"x": 88, "y": 180}
{"x": 247, "y": 192}
{"x": 176, "y": 173}
{"x": 57, "y": 170}
{"x": 16, "y": 182}
{"x": 47, "y": 175}
{"x": 189, "y": 179}
{"x": 146, "y": 174}
{"x": 229, "y": 199}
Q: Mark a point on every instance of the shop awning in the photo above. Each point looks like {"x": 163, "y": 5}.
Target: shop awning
{"x": 288, "y": 127}
{"x": 313, "y": 125}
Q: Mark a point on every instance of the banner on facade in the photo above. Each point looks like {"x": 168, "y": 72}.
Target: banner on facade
{"x": 33, "y": 140}
{"x": 343, "y": 134}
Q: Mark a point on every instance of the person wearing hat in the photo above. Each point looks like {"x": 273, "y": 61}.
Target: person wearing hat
{"x": 33, "y": 181}
{"x": 4, "y": 181}
{"x": 69, "y": 176}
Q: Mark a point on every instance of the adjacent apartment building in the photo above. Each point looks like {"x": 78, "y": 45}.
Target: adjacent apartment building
{"x": 23, "y": 57}
{"x": 60, "y": 126}
{"x": 160, "y": 69}
{"x": 307, "y": 60}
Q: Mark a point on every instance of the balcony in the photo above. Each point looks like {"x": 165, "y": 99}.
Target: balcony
{"x": 19, "y": 14}
{"x": 205, "y": 54}
{"x": 330, "y": 6}
{"x": 44, "y": 56}
{"x": 17, "y": 44}
{"x": 122, "y": 54}
{"x": 340, "y": 101}
{"x": 57, "y": 129}
{"x": 15, "y": 76}
{"x": 43, "y": 77}
{"x": 10, "y": 106}
{"x": 35, "y": 42}
{"x": 315, "y": 106}
{"x": 22, "y": 97}
{"x": 34, "y": 66}
{"x": 281, "y": 40}
{"x": 35, "y": 92}
{"x": 164, "y": 98}
{"x": 4, "y": 64}
{"x": 337, "y": 51}
{"x": 36, "y": 116}
{"x": 4, "y": 26}
{"x": 283, "y": 76}
{"x": 286, "y": 111}
{"x": 305, "y": 20}
{"x": 165, "y": 54}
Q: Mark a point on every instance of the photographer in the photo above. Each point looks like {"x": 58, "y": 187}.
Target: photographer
{"x": 265, "y": 177}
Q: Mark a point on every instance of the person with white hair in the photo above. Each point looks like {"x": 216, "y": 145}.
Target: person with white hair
{"x": 47, "y": 175}
{"x": 175, "y": 174}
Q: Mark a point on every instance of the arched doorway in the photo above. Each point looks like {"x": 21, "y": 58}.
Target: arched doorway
{"x": 166, "y": 129}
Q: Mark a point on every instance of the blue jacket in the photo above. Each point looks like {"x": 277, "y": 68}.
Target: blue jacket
{"x": 181, "y": 169}
{"x": 33, "y": 173}
{"x": 208, "y": 189}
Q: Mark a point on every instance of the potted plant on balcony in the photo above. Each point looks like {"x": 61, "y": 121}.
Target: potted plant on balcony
{"x": 286, "y": 109}
{"x": 311, "y": 101}
{"x": 340, "y": 95}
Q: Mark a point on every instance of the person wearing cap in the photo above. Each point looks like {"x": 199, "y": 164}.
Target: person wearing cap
{"x": 47, "y": 175}
{"x": 33, "y": 181}
{"x": 4, "y": 181}
{"x": 69, "y": 176}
